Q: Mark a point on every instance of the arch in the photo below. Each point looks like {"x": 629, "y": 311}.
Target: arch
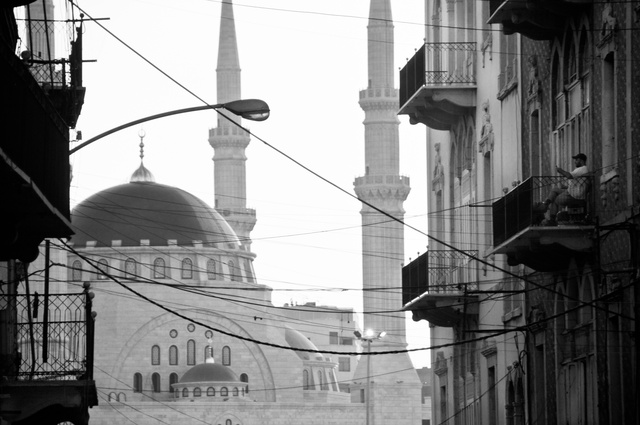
{"x": 173, "y": 379}
{"x": 113, "y": 397}
{"x": 155, "y": 382}
{"x": 232, "y": 271}
{"x": 211, "y": 392}
{"x": 245, "y": 378}
{"x": 208, "y": 352}
{"x": 159, "y": 268}
{"x": 76, "y": 271}
{"x": 211, "y": 269}
{"x": 122, "y": 397}
{"x": 130, "y": 268}
{"x": 235, "y": 392}
{"x": 137, "y": 382}
{"x": 248, "y": 272}
{"x": 191, "y": 352}
{"x": 197, "y": 392}
{"x": 173, "y": 355}
{"x": 185, "y": 392}
{"x": 187, "y": 268}
{"x": 103, "y": 267}
{"x": 224, "y": 392}
{"x": 305, "y": 380}
{"x": 226, "y": 355}
{"x": 155, "y": 355}
{"x": 228, "y": 422}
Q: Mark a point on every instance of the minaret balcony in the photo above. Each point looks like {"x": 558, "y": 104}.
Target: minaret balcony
{"x": 438, "y": 84}
{"x": 535, "y": 19}
{"x": 441, "y": 286}
{"x": 545, "y": 240}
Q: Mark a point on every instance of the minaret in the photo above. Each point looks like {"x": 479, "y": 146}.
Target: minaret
{"x": 382, "y": 237}
{"x": 228, "y": 140}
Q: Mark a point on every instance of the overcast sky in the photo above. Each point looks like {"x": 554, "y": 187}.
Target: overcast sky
{"x": 308, "y": 60}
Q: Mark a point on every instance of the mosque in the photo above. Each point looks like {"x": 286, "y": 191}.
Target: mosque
{"x": 184, "y": 331}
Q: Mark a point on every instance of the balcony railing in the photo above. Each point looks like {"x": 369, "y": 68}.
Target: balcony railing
{"x": 59, "y": 347}
{"x": 440, "y": 272}
{"x": 438, "y": 64}
{"x": 514, "y": 212}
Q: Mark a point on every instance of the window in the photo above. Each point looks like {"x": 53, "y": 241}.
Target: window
{"x": 224, "y": 392}
{"x": 173, "y": 379}
{"x": 103, "y": 267}
{"x": 248, "y": 272}
{"x": 191, "y": 352}
{"x": 208, "y": 352}
{"x": 76, "y": 271}
{"x": 232, "y": 270}
{"x": 226, "y": 355}
{"x": 159, "y": 271}
{"x": 155, "y": 382}
{"x": 344, "y": 364}
{"x": 173, "y": 355}
{"x": 235, "y": 392}
{"x": 130, "y": 268}
{"x": 245, "y": 378}
{"x": 197, "y": 392}
{"x": 185, "y": 392}
{"x": 137, "y": 383}
{"x": 211, "y": 392}
{"x": 155, "y": 355}
{"x": 228, "y": 422}
{"x": 122, "y": 398}
{"x": 305, "y": 380}
{"x": 333, "y": 338}
{"x": 211, "y": 269}
{"x": 113, "y": 397}
{"x": 187, "y": 268}
{"x": 346, "y": 340}
{"x": 320, "y": 380}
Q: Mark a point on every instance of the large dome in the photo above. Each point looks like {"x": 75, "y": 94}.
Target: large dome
{"x": 209, "y": 372}
{"x": 148, "y": 210}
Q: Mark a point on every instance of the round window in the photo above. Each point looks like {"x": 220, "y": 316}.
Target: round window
{"x": 173, "y": 333}
{"x": 191, "y": 327}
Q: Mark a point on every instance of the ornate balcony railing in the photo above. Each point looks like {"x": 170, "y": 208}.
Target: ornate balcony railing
{"x": 56, "y": 346}
{"x": 514, "y": 212}
{"x": 440, "y": 272}
{"x": 438, "y": 64}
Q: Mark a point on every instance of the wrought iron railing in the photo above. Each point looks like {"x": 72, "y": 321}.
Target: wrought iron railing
{"x": 57, "y": 345}
{"x": 438, "y": 64}
{"x": 515, "y": 211}
{"x": 440, "y": 272}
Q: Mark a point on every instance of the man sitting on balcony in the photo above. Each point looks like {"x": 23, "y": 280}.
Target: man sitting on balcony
{"x": 573, "y": 194}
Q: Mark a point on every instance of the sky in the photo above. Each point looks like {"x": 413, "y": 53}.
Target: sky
{"x": 308, "y": 61}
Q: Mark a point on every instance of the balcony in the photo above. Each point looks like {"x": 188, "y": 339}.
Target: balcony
{"x": 438, "y": 84}
{"x": 441, "y": 286}
{"x": 526, "y": 238}
{"x": 49, "y": 372}
{"x": 534, "y": 19}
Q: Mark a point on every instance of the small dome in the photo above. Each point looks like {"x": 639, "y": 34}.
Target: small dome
{"x": 296, "y": 339}
{"x": 209, "y": 372}
{"x": 142, "y": 174}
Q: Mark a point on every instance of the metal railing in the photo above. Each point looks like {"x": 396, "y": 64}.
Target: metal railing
{"x": 514, "y": 211}
{"x": 438, "y": 64}
{"x": 56, "y": 346}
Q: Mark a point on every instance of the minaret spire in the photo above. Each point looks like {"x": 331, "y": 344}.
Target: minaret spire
{"x": 228, "y": 140}
{"x": 383, "y": 238}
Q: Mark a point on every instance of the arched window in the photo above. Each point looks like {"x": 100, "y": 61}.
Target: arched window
{"x": 226, "y": 355}
{"x": 320, "y": 380}
{"x": 137, "y": 382}
{"x": 211, "y": 392}
{"x": 113, "y": 397}
{"x": 155, "y": 355}
{"x": 173, "y": 355}
{"x": 187, "y": 268}
{"x": 185, "y": 392}
{"x": 191, "y": 352}
{"x": 248, "y": 272}
{"x": 235, "y": 392}
{"x": 103, "y": 266}
{"x": 233, "y": 272}
{"x": 122, "y": 398}
{"x": 155, "y": 382}
{"x": 224, "y": 392}
{"x": 211, "y": 269}
{"x": 208, "y": 352}
{"x": 130, "y": 268}
{"x": 305, "y": 380}
{"x": 228, "y": 422}
{"x": 159, "y": 271}
{"x": 173, "y": 378}
{"x": 197, "y": 392}
{"x": 76, "y": 271}
{"x": 245, "y": 378}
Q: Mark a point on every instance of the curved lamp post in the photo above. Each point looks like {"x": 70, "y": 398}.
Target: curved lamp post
{"x": 368, "y": 337}
{"x": 251, "y": 109}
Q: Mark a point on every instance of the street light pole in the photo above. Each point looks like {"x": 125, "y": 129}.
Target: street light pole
{"x": 251, "y": 109}
{"x": 368, "y": 337}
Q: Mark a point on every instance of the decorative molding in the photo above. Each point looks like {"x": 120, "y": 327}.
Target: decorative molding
{"x": 609, "y": 26}
{"x": 485, "y": 145}
{"x": 438, "y": 171}
{"x": 487, "y": 45}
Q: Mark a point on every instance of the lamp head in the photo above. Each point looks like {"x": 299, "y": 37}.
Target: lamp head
{"x": 251, "y": 109}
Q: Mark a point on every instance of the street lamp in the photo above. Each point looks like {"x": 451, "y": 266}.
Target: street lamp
{"x": 368, "y": 337}
{"x": 251, "y": 109}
